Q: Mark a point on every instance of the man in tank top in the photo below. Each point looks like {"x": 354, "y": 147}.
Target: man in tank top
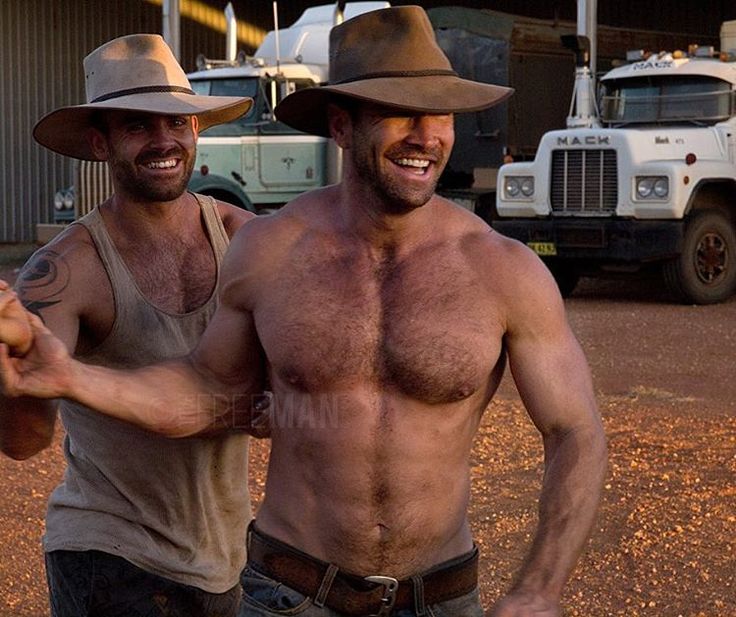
{"x": 386, "y": 314}
{"x": 141, "y": 524}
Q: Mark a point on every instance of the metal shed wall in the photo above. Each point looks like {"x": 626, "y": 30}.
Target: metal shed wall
{"x": 43, "y": 43}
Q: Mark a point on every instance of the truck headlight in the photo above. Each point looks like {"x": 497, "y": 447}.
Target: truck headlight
{"x": 59, "y": 200}
{"x": 652, "y": 187}
{"x": 518, "y": 187}
{"x": 69, "y": 199}
{"x": 64, "y": 200}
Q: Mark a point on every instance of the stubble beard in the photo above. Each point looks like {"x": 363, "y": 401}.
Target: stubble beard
{"x": 147, "y": 189}
{"x": 395, "y": 196}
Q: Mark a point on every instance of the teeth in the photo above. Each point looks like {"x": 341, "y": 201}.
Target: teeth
{"x": 420, "y": 163}
{"x": 162, "y": 164}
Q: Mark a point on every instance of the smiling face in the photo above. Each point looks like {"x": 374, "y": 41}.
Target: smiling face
{"x": 151, "y": 156}
{"x": 398, "y": 155}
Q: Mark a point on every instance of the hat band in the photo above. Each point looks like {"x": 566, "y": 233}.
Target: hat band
{"x": 141, "y": 90}
{"x": 426, "y": 73}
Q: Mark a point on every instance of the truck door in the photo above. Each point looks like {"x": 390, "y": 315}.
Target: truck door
{"x": 289, "y": 158}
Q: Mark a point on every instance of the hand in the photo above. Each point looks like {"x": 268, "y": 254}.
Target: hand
{"x": 42, "y": 372}
{"x": 520, "y": 604}
{"x": 15, "y": 329}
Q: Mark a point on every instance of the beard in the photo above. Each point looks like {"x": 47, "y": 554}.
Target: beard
{"x": 397, "y": 196}
{"x": 141, "y": 188}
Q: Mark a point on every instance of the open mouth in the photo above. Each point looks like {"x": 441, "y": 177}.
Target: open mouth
{"x": 414, "y": 165}
{"x": 166, "y": 164}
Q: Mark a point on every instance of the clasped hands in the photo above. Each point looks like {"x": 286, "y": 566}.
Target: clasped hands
{"x": 15, "y": 322}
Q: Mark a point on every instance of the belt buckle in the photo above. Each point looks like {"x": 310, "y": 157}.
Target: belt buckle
{"x": 390, "y": 587}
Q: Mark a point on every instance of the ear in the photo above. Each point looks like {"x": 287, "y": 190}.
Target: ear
{"x": 340, "y": 124}
{"x": 98, "y": 143}
{"x": 195, "y": 126}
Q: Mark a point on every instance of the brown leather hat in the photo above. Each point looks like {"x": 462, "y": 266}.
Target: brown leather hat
{"x": 137, "y": 72}
{"x": 389, "y": 57}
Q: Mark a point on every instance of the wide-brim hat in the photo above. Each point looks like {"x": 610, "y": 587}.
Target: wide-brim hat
{"x": 389, "y": 57}
{"x": 137, "y": 72}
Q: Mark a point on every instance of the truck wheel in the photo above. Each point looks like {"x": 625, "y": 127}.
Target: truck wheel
{"x": 566, "y": 277}
{"x": 705, "y": 271}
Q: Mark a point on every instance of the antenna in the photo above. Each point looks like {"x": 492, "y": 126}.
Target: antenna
{"x": 276, "y": 33}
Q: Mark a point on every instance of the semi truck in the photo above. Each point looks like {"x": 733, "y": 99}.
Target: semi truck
{"x": 645, "y": 181}
{"x": 259, "y": 163}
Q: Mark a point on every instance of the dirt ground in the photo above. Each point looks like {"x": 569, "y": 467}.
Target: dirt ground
{"x": 665, "y": 541}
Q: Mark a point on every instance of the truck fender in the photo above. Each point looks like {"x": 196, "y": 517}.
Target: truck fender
{"x": 221, "y": 188}
{"x": 713, "y": 193}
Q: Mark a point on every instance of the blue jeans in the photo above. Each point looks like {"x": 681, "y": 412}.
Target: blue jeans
{"x": 265, "y": 597}
{"x": 97, "y": 584}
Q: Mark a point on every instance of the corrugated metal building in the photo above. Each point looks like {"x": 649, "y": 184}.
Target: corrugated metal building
{"x": 44, "y": 41}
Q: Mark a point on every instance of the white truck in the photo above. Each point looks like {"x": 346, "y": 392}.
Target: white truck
{"x": 649, "y": 179}
{"x": 257, "y": 162}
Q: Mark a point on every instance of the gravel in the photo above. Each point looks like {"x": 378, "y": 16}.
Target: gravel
{"x": 665, "y": 539}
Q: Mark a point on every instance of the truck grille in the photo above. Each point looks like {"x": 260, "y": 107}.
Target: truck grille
{"x": 584, "y": 181}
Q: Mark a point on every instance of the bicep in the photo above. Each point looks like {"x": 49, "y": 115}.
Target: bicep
{"x": 546, "y": 361}
{"x": 229, "y": 351}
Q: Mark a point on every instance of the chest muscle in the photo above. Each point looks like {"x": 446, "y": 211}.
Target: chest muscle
{"x": 412, "y": 327}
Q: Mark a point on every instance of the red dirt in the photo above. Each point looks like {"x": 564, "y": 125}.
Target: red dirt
{"x": 665, "y": 540}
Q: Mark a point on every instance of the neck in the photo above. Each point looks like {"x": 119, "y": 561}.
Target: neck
{"x": 380, "y": 225}
{"x": 155, "y": 212}
{"x": 136, "y": 219}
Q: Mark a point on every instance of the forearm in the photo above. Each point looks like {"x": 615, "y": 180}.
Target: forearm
{"x": 26, "y": 426}
{"x": 575, "y": 466}
{"x": 172, "y": 398}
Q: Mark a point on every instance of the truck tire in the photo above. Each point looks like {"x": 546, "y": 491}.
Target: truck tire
{"x": 705, "y": 271}
{"x": 566, "y": 277}
{"x": 228, "y": 197}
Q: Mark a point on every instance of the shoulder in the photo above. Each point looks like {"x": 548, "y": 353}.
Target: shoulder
{"x": 259, "y": 250}
{"x": 70, "y": 255}
{"x": 233, "y": 217}
{"x": 517, "y": 280}
{"x": 274, "y": 234}
{"x": 65, "y": 280}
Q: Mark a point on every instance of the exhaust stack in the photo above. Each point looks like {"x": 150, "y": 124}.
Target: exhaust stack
{"x": 231, "y": 33}
{"x": 583, "y": 110}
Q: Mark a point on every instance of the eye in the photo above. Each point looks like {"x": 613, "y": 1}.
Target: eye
{"x": 179, "y": 121}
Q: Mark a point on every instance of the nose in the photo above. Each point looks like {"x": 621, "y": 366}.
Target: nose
{"x": 430, "y": 129}
{"x": 160, "y": 132}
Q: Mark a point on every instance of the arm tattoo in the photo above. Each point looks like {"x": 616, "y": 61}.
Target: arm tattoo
{"x": 42, "y": 281}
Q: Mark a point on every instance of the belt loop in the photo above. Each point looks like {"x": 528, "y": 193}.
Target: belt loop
{"x": 418, "y": 585}
{"x": 325, "y": 586}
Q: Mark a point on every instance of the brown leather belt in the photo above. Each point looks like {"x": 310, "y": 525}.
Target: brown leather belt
{"x": 354, "y": 595}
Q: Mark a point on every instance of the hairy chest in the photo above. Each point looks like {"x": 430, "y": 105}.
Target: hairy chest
{"x": 176, "y": 278}
{"x": 422, "y": 327}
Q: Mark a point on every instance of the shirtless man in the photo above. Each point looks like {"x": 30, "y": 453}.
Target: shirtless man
{"x": 141, "y": 525}
{"x": 397, "y": 308}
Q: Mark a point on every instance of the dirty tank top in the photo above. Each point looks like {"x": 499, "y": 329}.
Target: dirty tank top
{"x": 178, "y": 508}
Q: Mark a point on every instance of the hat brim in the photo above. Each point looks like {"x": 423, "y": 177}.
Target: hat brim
{"x": 65, "y": 130}
{"x": 306, "y": 110}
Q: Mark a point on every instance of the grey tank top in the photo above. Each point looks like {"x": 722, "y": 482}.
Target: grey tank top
{"x": 178, "y": 508}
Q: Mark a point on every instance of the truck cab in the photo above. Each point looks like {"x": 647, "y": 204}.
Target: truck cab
{"x": 256, "y": 161}
{"x": 651, "y": 181}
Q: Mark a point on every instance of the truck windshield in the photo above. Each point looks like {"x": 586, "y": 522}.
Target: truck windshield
{"x": 247, "y": 86}
{"x": 658, "y": 100}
